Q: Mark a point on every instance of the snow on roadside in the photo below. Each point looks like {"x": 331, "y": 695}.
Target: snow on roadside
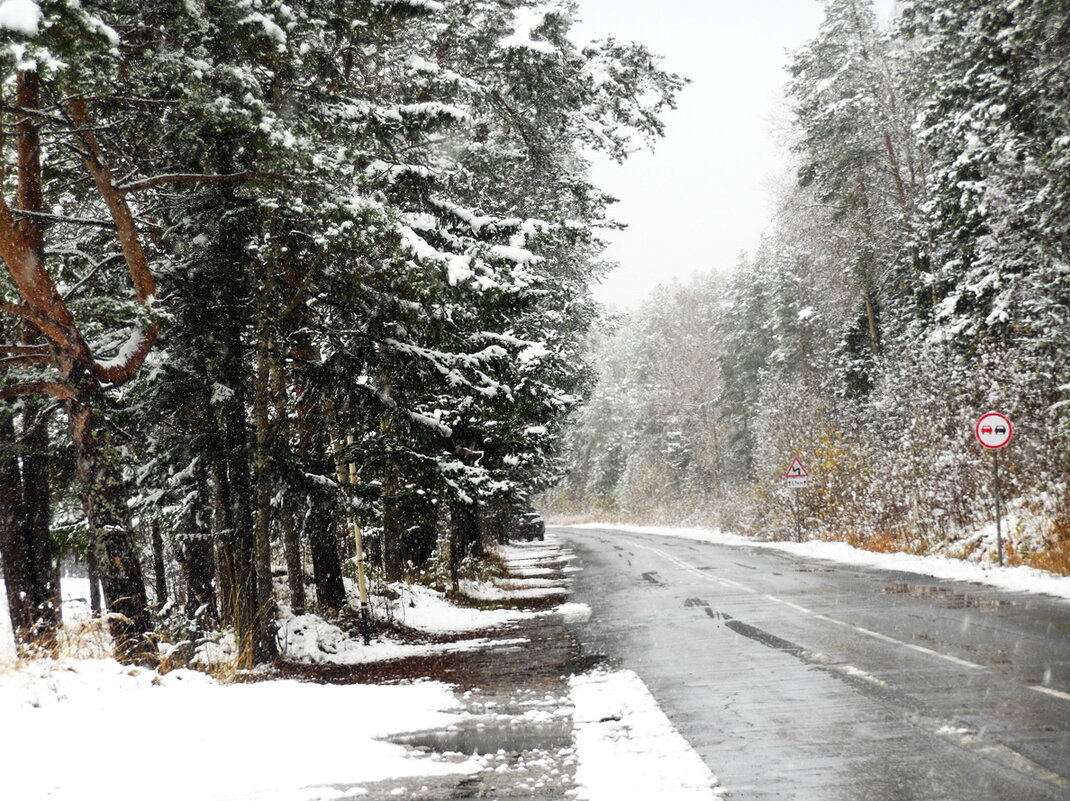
{"x": 490, "y": 591}
{"x": 315, "y": 737}
{"x": 1017, "y": 579}
{"x": 7, "y": 636}
{"x": 626, "y": 748}
{"x": 423, "y": 609}
{"x": 311, "y": 639}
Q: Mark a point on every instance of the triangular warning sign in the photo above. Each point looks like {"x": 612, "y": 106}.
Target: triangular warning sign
{"x": 797, "y": 469}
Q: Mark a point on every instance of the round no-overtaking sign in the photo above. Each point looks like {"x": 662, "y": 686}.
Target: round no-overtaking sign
{"x": 994, "y": 430}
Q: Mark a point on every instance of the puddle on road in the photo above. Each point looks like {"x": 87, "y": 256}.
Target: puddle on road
{"x": 492, "y": 738}
{"x": 946, "y": 597}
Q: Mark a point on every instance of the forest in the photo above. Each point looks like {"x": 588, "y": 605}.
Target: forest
{"x": 915, "y": 276}
{"x": 291, "y": 291}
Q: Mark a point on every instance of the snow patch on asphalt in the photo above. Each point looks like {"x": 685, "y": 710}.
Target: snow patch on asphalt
{"x": 626, "y": 747}
{"x": 1016, "y": 579}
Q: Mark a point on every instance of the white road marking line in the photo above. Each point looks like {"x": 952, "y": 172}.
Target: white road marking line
{"x": 990, "y": 749}
{"x": 921, "y": 649}
{"x": 1049, "y": 691}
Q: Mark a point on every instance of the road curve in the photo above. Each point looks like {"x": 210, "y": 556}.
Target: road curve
{"x": 805, "y": 679}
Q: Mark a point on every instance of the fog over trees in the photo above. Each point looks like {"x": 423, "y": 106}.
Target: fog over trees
{"x": 916, "y": 275}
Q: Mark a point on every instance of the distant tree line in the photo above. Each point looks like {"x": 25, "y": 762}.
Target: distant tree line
{"x": 917, "y": 274}
{"x": 275, "y": 273}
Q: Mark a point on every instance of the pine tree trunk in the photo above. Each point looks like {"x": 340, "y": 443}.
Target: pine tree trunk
{"x": 12, "y": 545}
{"x": 464, "y": 532}
{"x": 36, "y": 494}
{"x": 196, "y": 558}
{"x": 320, "y": 521}
{"x": 266, "y": 648}
{"x": 38, "y": 605}
{"x": 96, "y": 606}
{"x": 323, "y": 544}
{"x": 291, "y": 537}
{"x": 223, "y": 551}
{"x": 409, "y": 534}
{"x": 158, "y": 567}
{"x": 295, "y": 571}
{"x": 111, "y": 536}
{"x": 393, "y": 536}
{"x": 241, "y": 535}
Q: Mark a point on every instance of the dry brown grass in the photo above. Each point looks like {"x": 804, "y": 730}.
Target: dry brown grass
{"x": 1055, "y": 558}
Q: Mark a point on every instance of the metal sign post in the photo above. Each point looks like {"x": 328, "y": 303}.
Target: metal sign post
{"x": 797, "y": 478}
{"x": 994, "y": 431}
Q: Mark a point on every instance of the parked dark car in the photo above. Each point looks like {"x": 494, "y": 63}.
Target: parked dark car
{"x": 530, "y": 526}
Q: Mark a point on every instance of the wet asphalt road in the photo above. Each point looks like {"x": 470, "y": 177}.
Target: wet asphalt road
{"x": 804, "y": 679}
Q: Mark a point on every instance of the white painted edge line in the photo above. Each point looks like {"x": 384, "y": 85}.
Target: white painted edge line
{"x": 921, "y": 649}
{"x": 1049, "y": 691}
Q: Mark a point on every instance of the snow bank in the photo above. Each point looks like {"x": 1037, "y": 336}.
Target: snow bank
{"x": 7, "y": 636}
{"x": 122, "y": 731}
{"x": 423, "y": 609}
{"x": 626, "y": 747}
{"x": 490, "y": 591}
{"x": 1017, "y": 579}
{"x": 312, "y": 640}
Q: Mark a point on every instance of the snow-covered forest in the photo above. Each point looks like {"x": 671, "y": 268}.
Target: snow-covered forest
{"x": 285, "y": 277}
{"x": 916, "y": 275}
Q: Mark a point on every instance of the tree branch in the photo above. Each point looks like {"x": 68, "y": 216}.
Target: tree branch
{"x": 46, "y": 327}
{"x": 41, "y": 215}
{"x": 181, "y": 178}
{"x": 129, "y": 240}
{"x": 25, "y": 350}
{"x": 52, "y": 388}
{"x": 25, "y": 359}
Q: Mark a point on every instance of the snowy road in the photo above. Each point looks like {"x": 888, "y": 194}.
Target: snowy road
{"x": 802, "y": 679}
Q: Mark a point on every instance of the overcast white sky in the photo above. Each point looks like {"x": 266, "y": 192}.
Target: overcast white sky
{"x": 702, "y": 196}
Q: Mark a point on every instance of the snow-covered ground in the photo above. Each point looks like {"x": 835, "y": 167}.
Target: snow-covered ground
{"x": 627, "y": 749}
{"x": 90, "y": 730}
{"x": 75, "y": 612}
{"x": 1018, "y": 579}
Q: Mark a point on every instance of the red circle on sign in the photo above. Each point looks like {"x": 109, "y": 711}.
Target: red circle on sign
{"x": 993, "y": 430}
